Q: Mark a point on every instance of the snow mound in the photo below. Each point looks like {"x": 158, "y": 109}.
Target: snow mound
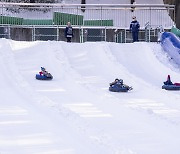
{"x": 75, "y": 112}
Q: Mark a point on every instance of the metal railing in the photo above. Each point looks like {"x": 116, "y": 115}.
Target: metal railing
{"x": 91, "y": 22}
{"x": 81, "y": 34}
{"x": 153, "y": 33}
{"x": 102, "y": 15}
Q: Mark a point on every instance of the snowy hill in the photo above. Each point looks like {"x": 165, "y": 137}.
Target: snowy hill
{"x": 75, "y": 113}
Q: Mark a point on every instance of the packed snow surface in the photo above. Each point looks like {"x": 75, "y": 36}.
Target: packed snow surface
{"x": 75, "y": 113}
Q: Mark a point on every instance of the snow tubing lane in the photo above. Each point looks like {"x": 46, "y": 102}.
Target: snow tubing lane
{"x": 171, "y": 44}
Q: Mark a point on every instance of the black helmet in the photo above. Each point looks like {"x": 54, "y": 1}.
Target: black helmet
{"x": 43, "y": 69}
{"x": 121, "y": 81}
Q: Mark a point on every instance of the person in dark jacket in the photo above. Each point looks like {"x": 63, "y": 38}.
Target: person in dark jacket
{"x": 134, "y": 29}
{"x": 69, "y": 32}
{"x": 117, "y": 81}
{"x": 43, "y": 72}
{"x": 168, "y": 82}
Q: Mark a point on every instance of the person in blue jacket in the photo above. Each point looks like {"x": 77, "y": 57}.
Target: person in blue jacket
{"x": 134, "y": 29}
{"x": 69, "y": 32}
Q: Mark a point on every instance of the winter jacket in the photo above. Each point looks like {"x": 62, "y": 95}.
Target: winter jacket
{"x": 168, "y": 82}
{"x": 69, "y": 32}
{"x": 134, "y": 26}
{"x": 45, "y": 73}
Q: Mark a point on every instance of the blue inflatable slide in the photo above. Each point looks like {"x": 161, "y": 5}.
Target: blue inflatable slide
{"x": 171, "y": 44}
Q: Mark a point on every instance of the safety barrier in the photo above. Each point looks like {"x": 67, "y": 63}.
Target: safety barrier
{"x": 171, "y": 44}
{"x": 91, "y": 22}
{"x": 117, "y": 15}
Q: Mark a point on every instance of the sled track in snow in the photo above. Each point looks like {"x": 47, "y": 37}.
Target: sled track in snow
{"x": 82, "y": 73}
{"x": 91, "y": 67}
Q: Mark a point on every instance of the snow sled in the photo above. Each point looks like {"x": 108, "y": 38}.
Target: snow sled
{"x": 119, "y": 88}
{"x": 175, "y": 86}
{"x": 44, "y": 77}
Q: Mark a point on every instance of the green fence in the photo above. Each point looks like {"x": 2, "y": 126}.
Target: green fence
{"x": 58, "y": 19}
{"x": 63, "y": 18}
{"x": 98, "y": 22}
{"x": 37, "y": 22}
{"x": 11, "y": 20}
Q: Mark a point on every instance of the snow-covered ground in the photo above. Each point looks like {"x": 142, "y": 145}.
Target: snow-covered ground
{"x": 75, "y": 113}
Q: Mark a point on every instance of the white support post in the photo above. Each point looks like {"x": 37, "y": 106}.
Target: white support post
{"x": 105, "y": 35}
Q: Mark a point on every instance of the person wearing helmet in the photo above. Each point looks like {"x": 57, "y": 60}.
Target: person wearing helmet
{"x": 120, "y": 81}
{"x": 43, "y": 71}
{"x": 117, "y": 81}
{"x": 114, "y": 82}
{"x": 168, "y": 82}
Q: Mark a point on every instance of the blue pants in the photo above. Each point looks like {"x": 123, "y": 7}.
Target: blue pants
{"x": 135, "y": 36}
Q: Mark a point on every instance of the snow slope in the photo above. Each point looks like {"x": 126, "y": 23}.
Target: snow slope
{"x": 75, "y": 113}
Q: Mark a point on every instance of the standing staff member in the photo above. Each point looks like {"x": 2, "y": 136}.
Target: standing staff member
{"x": 134, "y": 28}
{"x": 69, "y": 32}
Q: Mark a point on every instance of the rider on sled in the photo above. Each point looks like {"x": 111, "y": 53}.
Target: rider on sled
{"x": 43, "y": 72}
{"x": 117, "y": 81}
{"x": 118, "y": 86}
{"x": 168, "y": 85}
{"x": 168, "y": 81}
{"x": 120, "y": 83}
